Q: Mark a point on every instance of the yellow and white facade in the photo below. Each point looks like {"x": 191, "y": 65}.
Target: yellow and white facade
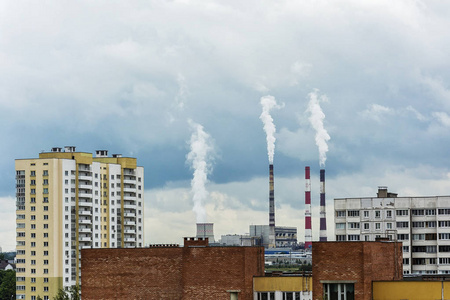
{"x": 66, "y": 201}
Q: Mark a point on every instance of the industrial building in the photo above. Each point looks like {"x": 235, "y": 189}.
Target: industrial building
{"x": 284, "y": 236}
{"x": 422, "y": 224}
{"x": 193, "y": 271}
{"x": 67, "y": 201}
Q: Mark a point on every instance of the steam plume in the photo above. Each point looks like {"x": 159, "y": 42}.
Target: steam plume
{"x": 316, "y": 120}
{"x": 199, "y": 158}
{"x": 267, "y": 103}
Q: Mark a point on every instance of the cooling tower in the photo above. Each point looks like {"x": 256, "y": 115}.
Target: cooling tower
{"x": 271, "y": 208}
{"x": 308, "y": 232}
{"x": 206, "y": 230}
{"x": 323, "y": 217}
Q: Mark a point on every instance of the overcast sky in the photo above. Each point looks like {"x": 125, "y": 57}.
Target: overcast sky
{"x": 128, "y": 75}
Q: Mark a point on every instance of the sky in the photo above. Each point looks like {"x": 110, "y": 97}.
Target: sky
{"x": 133, "y": 76}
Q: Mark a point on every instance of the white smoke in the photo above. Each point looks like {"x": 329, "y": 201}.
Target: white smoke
{"x": 200, "y": 159}
{"x": 316, "y": 120}
{"x": 267, "y": 103}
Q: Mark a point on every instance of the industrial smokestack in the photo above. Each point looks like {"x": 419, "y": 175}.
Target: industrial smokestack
{"x": 323, "y": 217}
{"x": 271, "y": 208}
{"x": 308, "y": 232}
{"x": 206, "y": 230}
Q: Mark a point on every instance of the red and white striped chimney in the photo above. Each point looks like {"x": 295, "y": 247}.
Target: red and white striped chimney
{"x": 323, "y": 216}
{"x": 308, "y": 232}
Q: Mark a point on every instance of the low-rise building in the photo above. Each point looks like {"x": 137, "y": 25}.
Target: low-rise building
{"x": 194, "y": 271}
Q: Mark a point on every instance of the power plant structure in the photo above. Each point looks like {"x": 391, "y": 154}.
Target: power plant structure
{"x": 323, "y": 217}
{"x": 206, "y": 230}
{"x": 271, "y": 208}
{"x": 308, "y": 232}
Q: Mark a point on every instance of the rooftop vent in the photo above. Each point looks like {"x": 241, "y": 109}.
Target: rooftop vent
{"x": 56, "y": 149}
{"x": 69, "y": 149}
{"x": 101, "y": 153}
{"x": 117, "y": 155}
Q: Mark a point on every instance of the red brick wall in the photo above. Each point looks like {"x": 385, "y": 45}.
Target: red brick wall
{"x": 196, "y": 272}
{"x": 362, "y": 262}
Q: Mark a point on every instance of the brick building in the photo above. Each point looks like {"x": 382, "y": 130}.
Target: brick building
{"x": 194, "y": 271}
{"x": 343, "y": 270}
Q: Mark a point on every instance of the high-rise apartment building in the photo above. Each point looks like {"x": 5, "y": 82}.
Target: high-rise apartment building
{"x": 421, "y": 224}
{"x": 67, "y": 201}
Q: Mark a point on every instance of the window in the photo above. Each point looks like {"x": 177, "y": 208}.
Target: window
{"x": 402, "y": 212}
{"x": 417, "y": 237}
{"x": 444, "y": 236}
{"x": 45, "y": 200}
{"x": 33, "y": 173}
{"x": 444, "y": 211}
{"x": 417, "y": 212}
{"x": 33, "y": 235}
{"x": 45, "y": 208}
{"x": 45, "y": 244}
{"x": 33, "y": 261}
{"x": 405, "y": 249}
{"x": 33, "y": 289}
{"x": 33, "y": 200}
{"x": 406, "y": 261}
{"x": 377, "y": 226}
{"x": 338, "y": 291}
{"x": 402, "y": 224}
{"x": 45, "y": 173}
{"x": 418, "y": 224}
{"x": 366, "y": 226}
{"x": 388, "y": 225}
{"x": 389, "y": 214}
{"x": 403, "y": 237}
{"x": 430, "y": 212}
{"x": 45, "y": 261}
{"x": 32, "y": 182}
{"x": 45, "y": 271}
{"x": 377, "y": 214}
{"x": 45, "y": 226}
{"x": 45, "y": 253}
{"x": 444, "y": 223}
{"x": 45, "y": 234}
{"x": 430, "y": 224}
{"x": 45, "y": 279}
{"x": 353, "y": 237}
{"x": 33, "y": 244}
{"x": 353, "y": 225}
{"x": 66, "y": 173}
{"x": 45, "y": 182}
{"x": 45, "y": 217}
{"x": 366, "y": 214}
{"x": 45, "y": 288}
{"x": 33, "y": 191}
{"x": 33, "y": 253}
{"x": 353, "y": 213}
{"x": 33, "y": 208}
{"x": 33, "y": 271}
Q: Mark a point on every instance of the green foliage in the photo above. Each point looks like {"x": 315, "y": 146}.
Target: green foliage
{"x": 39, "y": 298}
{"x": 7, "y": 284}
{"x": 72, "y": 294}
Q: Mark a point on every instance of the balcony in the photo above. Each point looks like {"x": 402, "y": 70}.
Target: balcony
{"x": 84, "y": 203}
{"x": 130, "y": 231}
{"x": 85, "y": 212}
{"x": 130, "y": 223}
{"x": 129, "y": 239}
{"x": 85, "y": 229}
{"x": 128, "y": 180}
{"x": 85, "y": 221}
{"x": 84, "y": 177}
{"x": 130, "y": 206}
{"x": 129, "y": 214}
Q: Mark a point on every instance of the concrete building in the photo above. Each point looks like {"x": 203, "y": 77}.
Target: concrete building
{"x": 345, "y": 271}
{"x": 67, "y": 201}
{"x": 422, "y": 224}
{"x": 194, "y": 271}
{"x": 284, "y": 236}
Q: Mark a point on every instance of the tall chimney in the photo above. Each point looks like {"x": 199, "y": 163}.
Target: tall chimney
{"x": 205, "y": 230}
{"x": 323, "y": 217}
{"x": 271, "y": 209}
{"x": 308, "y": 233}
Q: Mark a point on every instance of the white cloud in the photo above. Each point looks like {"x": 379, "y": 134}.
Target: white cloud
{"x": 443, "y": 118}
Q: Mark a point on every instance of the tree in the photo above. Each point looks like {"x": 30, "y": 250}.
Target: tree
{"x": 39, "y": 298}
{"x": 73, "y": 294}
{"x": 7, "y": 284}
{"x": 62, "y": 295}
